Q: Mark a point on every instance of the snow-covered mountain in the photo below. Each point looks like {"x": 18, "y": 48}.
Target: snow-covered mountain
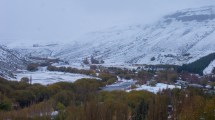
{"x": 178, "y": 38}
{"x": 10, "y": 60}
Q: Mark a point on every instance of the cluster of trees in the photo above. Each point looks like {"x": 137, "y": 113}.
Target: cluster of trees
{"x": 195, "y": 67}
{"x": 199, "y": 65}
{"x": 161, "y": 66}
{"x": 40, "y": 62}
{"x": 20, "y": 94}
{"x": 24, "y": 101}
{"x": 191, "y": 104}
{"x": 84, "y": 100}
{"x": 142, "y": 76}
{"x": 71, "y": 70}
{"x": 32, "y": 67}
{"x": 92, "y": 61}
{"x": 122, "y": 73}
{"x": 107, "y": 78}
{"x": 86, "y": 61}
{"x": 167, "y": 76}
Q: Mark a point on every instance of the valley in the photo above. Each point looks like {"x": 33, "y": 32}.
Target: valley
{"x": 160, "y": 71}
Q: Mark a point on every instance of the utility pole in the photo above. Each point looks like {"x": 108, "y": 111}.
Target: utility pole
{"x": 30, "y": 80}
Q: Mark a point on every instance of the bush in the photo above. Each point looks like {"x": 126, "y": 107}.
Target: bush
{"x": 87, "y": 85}
{"x": 93, "y": 67}
{"x": 94, "y": 61}
{"x": 65, "y": 97}
{"x": 111, "y": 81}
{"x": 51, "y": 68}
{"x": 25, "y": 80}
{"x": 105, "y": 77}
{"x": 40, "y": 92}
{"x": 85, "y": 61}
{"x": 32, "y": 67}
{"x": 24, "y": 97}
{"x": 5, "y": 105}
{"x": 153, "y": 58}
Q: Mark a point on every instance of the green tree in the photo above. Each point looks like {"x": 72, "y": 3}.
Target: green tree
{"x": 140, "y": 112}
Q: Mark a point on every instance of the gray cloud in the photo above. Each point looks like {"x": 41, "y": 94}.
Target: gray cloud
{"x": 64, "y": 20}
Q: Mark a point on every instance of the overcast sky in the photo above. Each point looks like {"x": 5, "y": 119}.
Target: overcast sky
{"x": 64, "y": 20}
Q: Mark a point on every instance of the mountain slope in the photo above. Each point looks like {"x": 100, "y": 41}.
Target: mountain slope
{"x": 179, "y": 38}
{"x": 10, "y": 60}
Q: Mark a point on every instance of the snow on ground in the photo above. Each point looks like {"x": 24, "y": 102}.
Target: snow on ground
{"x": 48, "y": 77}
{"x": 155, "y": 89}
{"x": 209, "y": 69}
{"x": 118, "y": 65}
{"x": 178, "y": 38}
{"x": 123, "y": 84}
{"x": 120, "y": 84}
{"x": 73, "y": 65}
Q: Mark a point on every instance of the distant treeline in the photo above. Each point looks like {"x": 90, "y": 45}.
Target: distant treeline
{"x": 71, "y": 70}
{"x": 106, "y": 77}
{"x": 197, "y": 66}
{"x": 161, "y": 66}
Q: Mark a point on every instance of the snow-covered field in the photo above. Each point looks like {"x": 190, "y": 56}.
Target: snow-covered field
{"x": 47, "y": 77}
{"x": 126, "y": 84}
{"x": 73, "y": 65}
{"x": 119, "y": 85}
{"x": 155, "y": 89}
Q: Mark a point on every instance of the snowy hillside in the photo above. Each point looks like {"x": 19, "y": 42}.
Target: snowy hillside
{"x": 10, "y": 60}
{"x": 210, "y": 68}
{"x": 181, "y": 37}
{"x": 177, "y": 38}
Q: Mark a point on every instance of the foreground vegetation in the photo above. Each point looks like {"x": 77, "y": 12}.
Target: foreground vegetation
{"x": 84, "y": 100}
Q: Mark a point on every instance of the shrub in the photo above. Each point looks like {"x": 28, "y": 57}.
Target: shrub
{"x": 105, "y": 77}
{"x": 5, "y": 105}
{"x": 85, "y": 61}
{"x": 32, "y": 67}
{"x": 153, "y": 58}
{"x": 25, "y": 80}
